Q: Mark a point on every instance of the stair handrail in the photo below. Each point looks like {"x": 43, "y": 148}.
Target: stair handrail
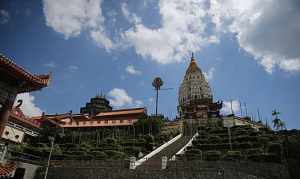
{"x": 156, "y": 151}
{"x": 182, "y": 150}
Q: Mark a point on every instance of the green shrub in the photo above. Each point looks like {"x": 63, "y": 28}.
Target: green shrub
{"x": 76, "y": 153}
{"x": 272, "y": 157}
{"x": 34, "y": 151}
{"x": 112, "y": 147}
{"x": 275, "y": 148}
{"x": 69, "y": 146}
{"x": 212, "y": 155}
{"x": 98, "y": 155}
{"x": 244, "y": 145}
{"x": 115, "y": 154}
{"x": 109, "y": 141}
{"x": 96, "y": 149}
{"x": 132, "y": 150}
{"x": 194, "y": 151}
{"x": 233, "y": 155}
{"x": 254, "y": 151}
{"x": 214, "y": 139}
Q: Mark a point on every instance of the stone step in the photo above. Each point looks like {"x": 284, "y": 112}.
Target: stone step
{"x": 154, "y": 163}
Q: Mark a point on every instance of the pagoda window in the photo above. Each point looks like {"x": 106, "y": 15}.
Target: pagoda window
{"x": 83, "y": 122}
{"x": 121, "y": 121}
{"x": 106, "y": 121}
{"x": 113, "y": 121}
{"x": 98, "y": 121}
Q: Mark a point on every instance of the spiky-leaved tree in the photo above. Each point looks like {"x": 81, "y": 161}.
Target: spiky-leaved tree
{"x": 278, "y": 124}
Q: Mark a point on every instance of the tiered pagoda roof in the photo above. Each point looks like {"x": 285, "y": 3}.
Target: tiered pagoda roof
{"x": 30, "y": 82}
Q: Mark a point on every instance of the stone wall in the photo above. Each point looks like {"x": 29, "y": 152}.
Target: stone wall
{"x": 175, "y": 170}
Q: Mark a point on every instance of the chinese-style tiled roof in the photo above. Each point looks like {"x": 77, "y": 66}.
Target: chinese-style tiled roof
{"x": 32, "y": 82}
{"x": 16, "y": 115}
{"x": 122, "y": 112}
{"x": 6, "y": 170}
{"x": 123, "y": 117}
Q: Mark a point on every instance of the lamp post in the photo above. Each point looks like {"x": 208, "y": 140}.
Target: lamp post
{"x": 49, "y": 158}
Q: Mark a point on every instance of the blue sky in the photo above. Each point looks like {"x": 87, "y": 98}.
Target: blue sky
{"x": 247, "y": 50}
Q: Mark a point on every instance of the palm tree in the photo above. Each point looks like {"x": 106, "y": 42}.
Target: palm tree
{"x": 281, "y": 125}
{"x": 276, "y": 123}
{"x": 157, "y": 83}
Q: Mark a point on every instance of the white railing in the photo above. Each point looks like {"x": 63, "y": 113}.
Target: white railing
{"x": 156, "y": 151}
{"x": 182, "y": 150}
{"x": 24, "y": 129}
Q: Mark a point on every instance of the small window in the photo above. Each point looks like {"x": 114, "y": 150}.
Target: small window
{"x": 113, "y": 121}
{"x": 121, "y": 121}
{"x": 106, "y": 121}
{"x": 17, "y": 136}
{"x": 6, "y": 133}
{"x": 98, "y": 121}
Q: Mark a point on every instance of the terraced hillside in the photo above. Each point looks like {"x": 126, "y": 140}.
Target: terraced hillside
{"x": 246, "y": 144}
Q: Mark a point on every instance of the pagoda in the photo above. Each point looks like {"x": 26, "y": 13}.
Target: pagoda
{"x": 195, "y": 97}
{"x": 96, "y": 105}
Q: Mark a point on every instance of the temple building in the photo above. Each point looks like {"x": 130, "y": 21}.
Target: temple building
{"x": 96, "y": 114}
{"x": 20, "y": 127}
{"x": 195, "y": 97}
{"x": 14, "y": 80}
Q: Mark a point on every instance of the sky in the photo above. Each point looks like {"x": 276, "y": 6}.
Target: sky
{"x": 248, "y": 50}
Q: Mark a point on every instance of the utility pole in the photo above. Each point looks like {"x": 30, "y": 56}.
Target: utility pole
{"x": 246, "y": 109}
{"x": 258, "y": 114}
{"x": 241, "y": 108}
{"x": 49, "y": 158}
{"x": 231, "y": 107}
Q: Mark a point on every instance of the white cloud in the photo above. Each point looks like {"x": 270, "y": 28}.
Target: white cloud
{"x": 138, "y": 103}
{"x": 73, "y": 67}
{"x": 267, "y": 29}
{"x": 132, "y": 70}
{"x": 119, "y": 97}
{"x": 101, "y": 39}
{"x": 226, "y": 109}
{"x": 28, "y": 106}
{"x": 131, "y": 17}
{"x": 50, "y": 65}
{"x": 151, "y": 99}
{"x": 209, "y": 75}
{"x": 70, "y": 18}
{"x": 4, "y": 16}
{"x": 182, "y": 30}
